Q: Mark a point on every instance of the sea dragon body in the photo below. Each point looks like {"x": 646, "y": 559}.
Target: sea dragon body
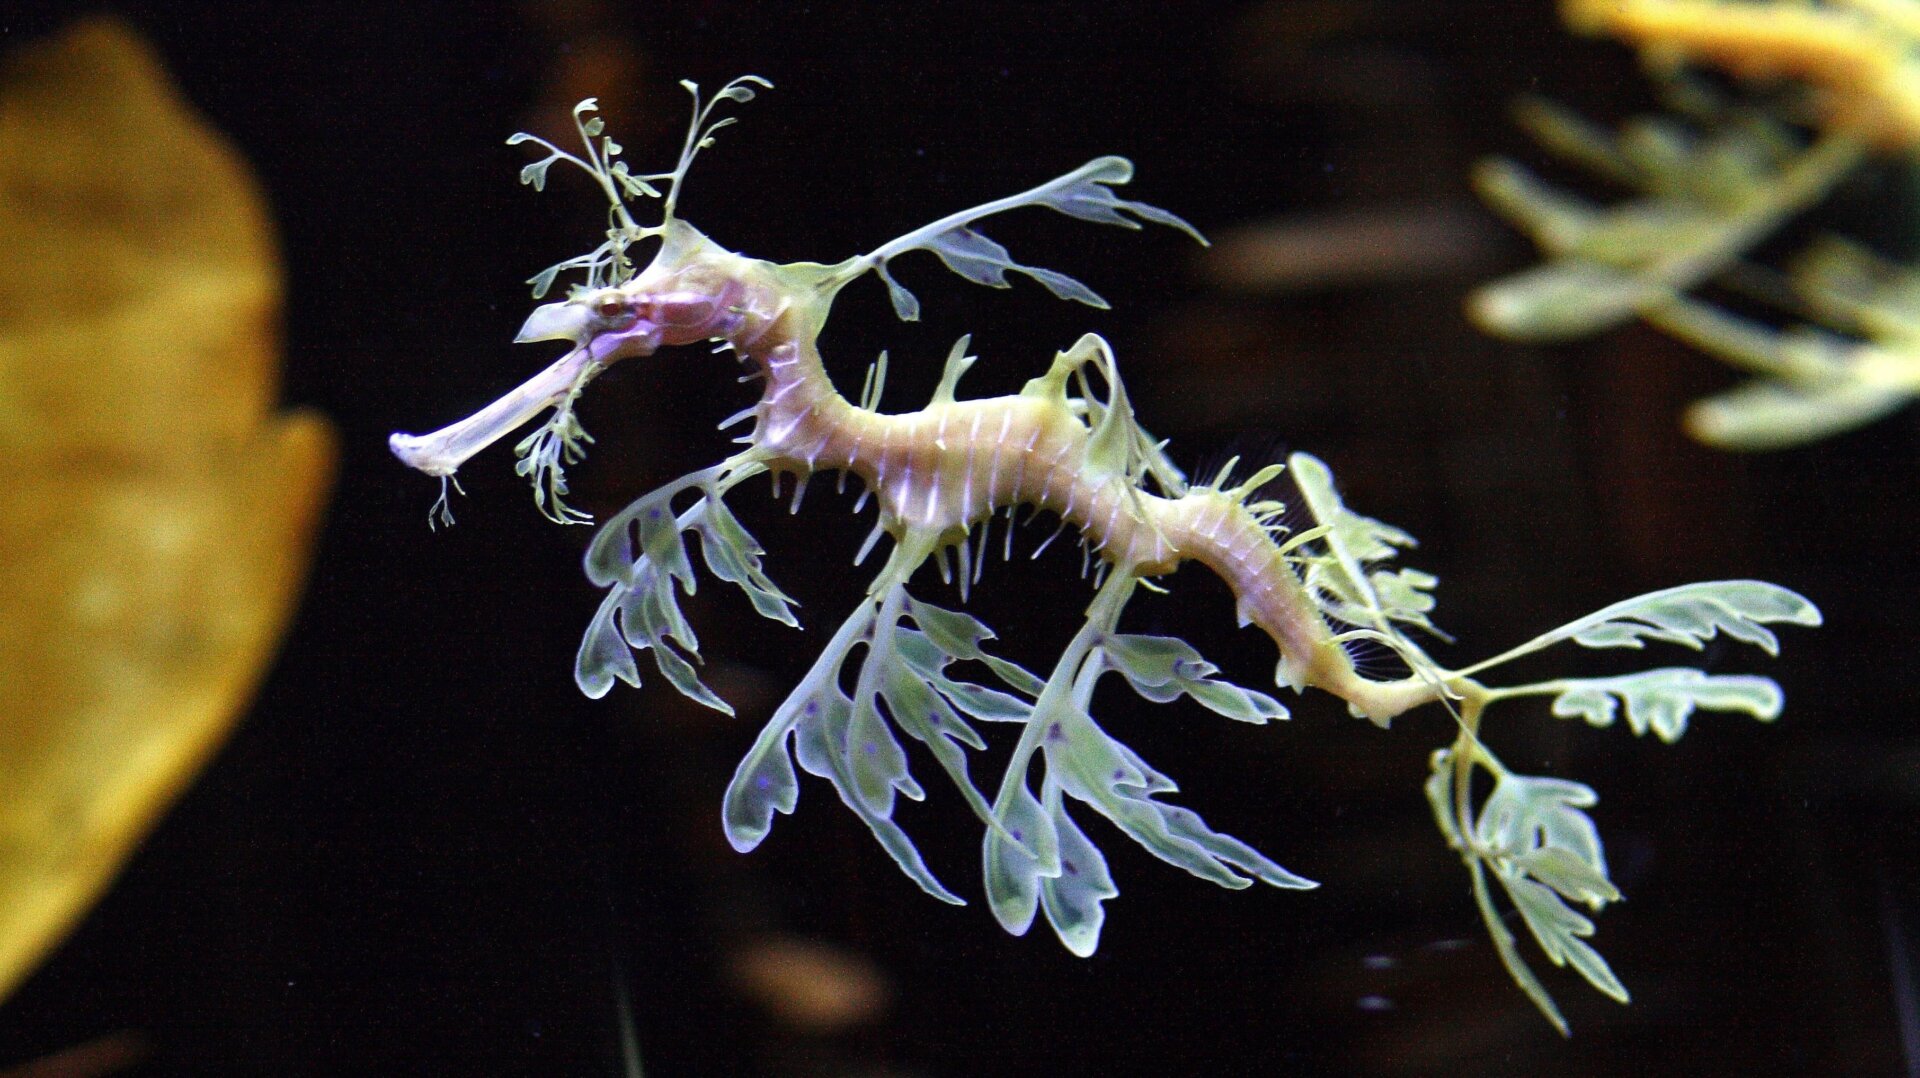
{"x": 942, "y": 470}
{"x": 940, "y": 474}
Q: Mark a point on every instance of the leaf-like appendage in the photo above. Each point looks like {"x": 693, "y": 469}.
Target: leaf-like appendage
{"x": 1525, "y": 813}
{"x": 546, "y": 454}
{"x": 973, "y": 256}
{"x": 922, "y": 711}
{"x": 1162, "y": 668}
{"x": 733, "y": 555}
{"x": 906, "y": 306}
{"x": 604, "y": 653}
{"x": 873, "y": 759}
{"x": 1561, "y": 221}
{"x": 929, "y": 704}
{"x": 1567, "y": 873}
{"x": 1337, "y": 567}
{"x": 1017, "y": 854}
{"x": 847, "y": 744}
{"x": 1074, "y": 899}
{"x": 1662, "y": 700}
{"x": 1085, "y": 193}
{"x": 642, "y": 614}
{"x": 1691, "y": 614}
{"x": 1709, "y": 190}
{"x": 959, "y": 636}
{"x": 982, "y": 261}
{"x": 608, "y": 264}
{"x": 1546, "y": 852}
{"x": 954, "y": 634}
{"x": 1703, "y": 197}
{"x": 1763, "y": 415}
{"x": 535, "y": 175}
{"x": 1096, "y": 769}
{"x": 1439, "y": 791}
{"x": 1406, "y": 595}
{"x": 1035, "y": 856}
{"x": 763, "y": 784}
{"x": 843, "y": 742}
{"x": 640, "y": 555}
{"x": 1851, "y": 285}
{"x": 1561, "y": 932}
{"x": 1363, "y": 539}
{"x": 1688, "y": 615}
{"x": 928, "y": 663}
{"x": 850, "y": 742}
{"x": 823, "y": 739}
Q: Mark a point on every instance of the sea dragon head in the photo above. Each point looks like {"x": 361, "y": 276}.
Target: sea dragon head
{"x": 680, "y": 297}
{"x": 611, "y": 324}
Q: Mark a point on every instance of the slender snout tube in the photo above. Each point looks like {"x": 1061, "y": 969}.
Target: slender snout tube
{"x": 442, "y": 452}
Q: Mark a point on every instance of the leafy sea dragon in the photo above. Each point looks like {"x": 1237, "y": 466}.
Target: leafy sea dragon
{"x": 1067, "y": 444}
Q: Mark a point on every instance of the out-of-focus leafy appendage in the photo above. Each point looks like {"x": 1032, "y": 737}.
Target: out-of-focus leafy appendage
{"x": 1709, "y": 182}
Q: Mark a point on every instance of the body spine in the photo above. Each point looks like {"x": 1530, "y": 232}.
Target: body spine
{"x": 948, "y": 467}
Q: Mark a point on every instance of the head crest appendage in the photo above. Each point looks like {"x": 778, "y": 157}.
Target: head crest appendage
{"x": 607, "y": 265}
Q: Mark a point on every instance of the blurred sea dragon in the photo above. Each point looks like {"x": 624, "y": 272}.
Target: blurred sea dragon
{"x": 1067, "y": 444}
{"x": 1711, "y": 181}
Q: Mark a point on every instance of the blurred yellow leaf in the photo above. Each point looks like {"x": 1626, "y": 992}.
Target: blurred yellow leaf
{"x": 155, "y": 512}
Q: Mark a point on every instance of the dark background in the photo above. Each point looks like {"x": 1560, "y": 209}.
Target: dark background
{"x": 425, "y": 853}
